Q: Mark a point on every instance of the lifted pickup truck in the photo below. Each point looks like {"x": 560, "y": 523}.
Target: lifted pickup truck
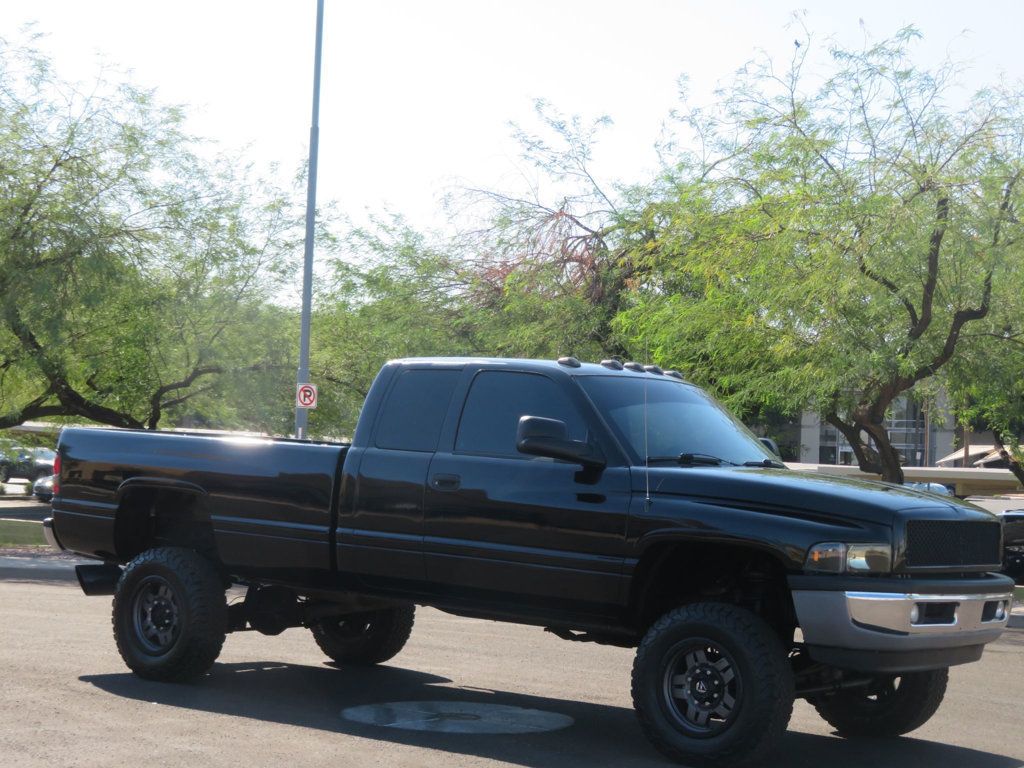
{"x": 606, "y": 502}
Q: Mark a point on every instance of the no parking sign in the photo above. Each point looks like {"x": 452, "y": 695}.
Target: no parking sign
{"x": 305, "y": 396}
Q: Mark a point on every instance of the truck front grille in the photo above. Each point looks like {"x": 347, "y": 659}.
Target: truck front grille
{"x": 952, "y": 543}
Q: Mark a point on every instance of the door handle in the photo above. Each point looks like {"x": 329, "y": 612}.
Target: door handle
{"x": 445, "y": 482}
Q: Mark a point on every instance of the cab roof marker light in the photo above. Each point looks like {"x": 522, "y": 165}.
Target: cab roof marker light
{"x": 569, "y": 362}
{"x": 614, "y": 365}
{"x": 631, "y": 366}
{"x": 674, "y": 374}
{"x": 653, "y": 369}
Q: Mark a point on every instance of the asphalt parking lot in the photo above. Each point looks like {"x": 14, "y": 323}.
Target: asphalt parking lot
{"x": 67, "y": 700}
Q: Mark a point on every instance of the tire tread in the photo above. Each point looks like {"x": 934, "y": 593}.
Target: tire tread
{"x": 907, "y": 714}
{"x": 379, "y": 646}
{"x": 768, "y": 659}
{"x": 207, "y": 609}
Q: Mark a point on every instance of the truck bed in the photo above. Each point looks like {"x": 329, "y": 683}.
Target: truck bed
{"x": 267, "y": 501}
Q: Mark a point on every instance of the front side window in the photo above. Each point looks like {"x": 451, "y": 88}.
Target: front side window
{"x": 496, "y": 402}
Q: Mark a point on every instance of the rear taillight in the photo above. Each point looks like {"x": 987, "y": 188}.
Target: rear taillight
{"x": 56, "y": 475}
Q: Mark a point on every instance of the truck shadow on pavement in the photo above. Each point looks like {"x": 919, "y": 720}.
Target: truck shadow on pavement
{"x": 314, "y": 697}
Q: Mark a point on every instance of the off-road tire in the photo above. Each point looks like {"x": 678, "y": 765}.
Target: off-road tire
{"x": 894, "y": 711}
{"x": 366, "y": 638}
{"x": 762, "y": 684}
{"x": 197, "y": 602}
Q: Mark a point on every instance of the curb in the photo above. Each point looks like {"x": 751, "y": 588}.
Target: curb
{"x": 38, "y": 568}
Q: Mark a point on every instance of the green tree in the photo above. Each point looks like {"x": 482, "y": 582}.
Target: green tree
{"x": 830, "y": 241}
{"x": 987, "y": 387}
{"x": 551, "y": 265}
{"x": 130, "y": 268}
{"x": 392, "y": 293}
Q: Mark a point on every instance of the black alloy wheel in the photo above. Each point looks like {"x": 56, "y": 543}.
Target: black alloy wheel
{"x": 156, "y": 614}
{"x": 702, "y": 688}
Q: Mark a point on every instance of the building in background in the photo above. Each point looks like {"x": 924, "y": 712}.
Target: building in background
{"x": 920, "y": 440}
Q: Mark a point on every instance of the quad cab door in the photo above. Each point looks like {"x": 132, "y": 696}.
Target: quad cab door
{"x": 537, "y": 531}
{"x": 380, "y": 527}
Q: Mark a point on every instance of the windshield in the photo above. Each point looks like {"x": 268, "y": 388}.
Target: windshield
{"x": 681, "y": 420}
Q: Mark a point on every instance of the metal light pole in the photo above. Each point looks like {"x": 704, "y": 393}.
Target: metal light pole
{"x": 302, "y": 414}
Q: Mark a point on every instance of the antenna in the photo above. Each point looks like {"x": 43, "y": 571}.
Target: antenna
{"x": 647, "y": 453}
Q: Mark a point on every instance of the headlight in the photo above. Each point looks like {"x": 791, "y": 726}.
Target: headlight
{"x": 869, "y": 558}
{"x": 836, "y": 557}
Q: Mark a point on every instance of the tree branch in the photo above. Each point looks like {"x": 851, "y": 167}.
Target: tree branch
{"x": 934, "y": 247}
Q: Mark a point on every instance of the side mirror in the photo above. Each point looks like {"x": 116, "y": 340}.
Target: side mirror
{"x": 771, "y": 445}
{"x": 538, "y": 436}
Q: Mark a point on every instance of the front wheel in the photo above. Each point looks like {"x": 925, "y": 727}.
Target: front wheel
{"x": 371, "y": 637}
{"x": 889, "y": 706}
{"x": 712, "y": 685}
{"x": 170, "y": 614}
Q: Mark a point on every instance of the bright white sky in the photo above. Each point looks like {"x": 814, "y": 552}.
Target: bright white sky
{"x": 417, "y": 96}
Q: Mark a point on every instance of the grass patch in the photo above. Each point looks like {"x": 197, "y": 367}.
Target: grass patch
{"x": 1018, "y": 596}
{"x": 18, "y": 533}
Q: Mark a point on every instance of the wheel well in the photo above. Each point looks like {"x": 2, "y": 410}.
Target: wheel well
{"x": 153, "y": 517}
{"x": 671, "y": 574}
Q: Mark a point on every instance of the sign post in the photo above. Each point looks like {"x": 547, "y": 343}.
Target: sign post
{"x": 307, "y": 272}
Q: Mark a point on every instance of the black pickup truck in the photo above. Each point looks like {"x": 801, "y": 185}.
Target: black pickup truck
{"x": 605, "y": 502}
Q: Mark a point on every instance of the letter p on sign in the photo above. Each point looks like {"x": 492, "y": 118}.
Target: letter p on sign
{"x": 305, "y": 396}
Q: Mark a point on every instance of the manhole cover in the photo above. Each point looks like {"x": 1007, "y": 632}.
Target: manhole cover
{"x": 457, "y": 717}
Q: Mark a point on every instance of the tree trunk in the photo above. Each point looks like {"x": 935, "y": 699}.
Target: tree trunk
{"x": 1011, "y": 460}
{"x": 879, "y": 459}
{"x": 889, "y": 457}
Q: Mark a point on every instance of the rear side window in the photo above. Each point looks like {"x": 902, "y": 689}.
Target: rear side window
{"x": 414, "y": 411}
{"x": 498, "y": 399}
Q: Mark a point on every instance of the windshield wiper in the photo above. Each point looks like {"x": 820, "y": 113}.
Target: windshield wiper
{"x": 769, "y": 463}
{"x": 692, "y": 459}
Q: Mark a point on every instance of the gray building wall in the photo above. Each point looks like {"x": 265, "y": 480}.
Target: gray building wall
{"x": 821, "y": 443}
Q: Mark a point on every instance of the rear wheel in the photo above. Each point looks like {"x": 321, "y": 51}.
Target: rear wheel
{"x": 890, "y": 706}
{"x": 712, "y": 685}
{"x": 371, "y": 637}
{"x": 170, "y": 614}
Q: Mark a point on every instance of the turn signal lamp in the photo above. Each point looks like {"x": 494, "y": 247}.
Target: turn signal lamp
{"x": 836, "y": 557}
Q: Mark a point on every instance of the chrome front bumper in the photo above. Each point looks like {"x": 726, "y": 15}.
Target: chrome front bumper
{"x": 900, "y": 621}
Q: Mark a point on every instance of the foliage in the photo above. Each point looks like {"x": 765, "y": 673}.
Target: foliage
{"x": 833, "y": 242}
{"x": 550, "y": 263}
{"x": 987, "y": 385}
{"x": 842, "y": 238}
{"x": 131, "y": 270}
{"x": 392, "y": 294}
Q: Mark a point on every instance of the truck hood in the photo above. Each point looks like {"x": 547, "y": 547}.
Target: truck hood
{"x": 784, "y": 490}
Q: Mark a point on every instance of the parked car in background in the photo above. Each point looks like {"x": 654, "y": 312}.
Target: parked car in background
{"x": 937, "y": 488}
{"x": 29, "y": 463}
{"x": 42, "y": 489}
{"x": 1013, "y": 543}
